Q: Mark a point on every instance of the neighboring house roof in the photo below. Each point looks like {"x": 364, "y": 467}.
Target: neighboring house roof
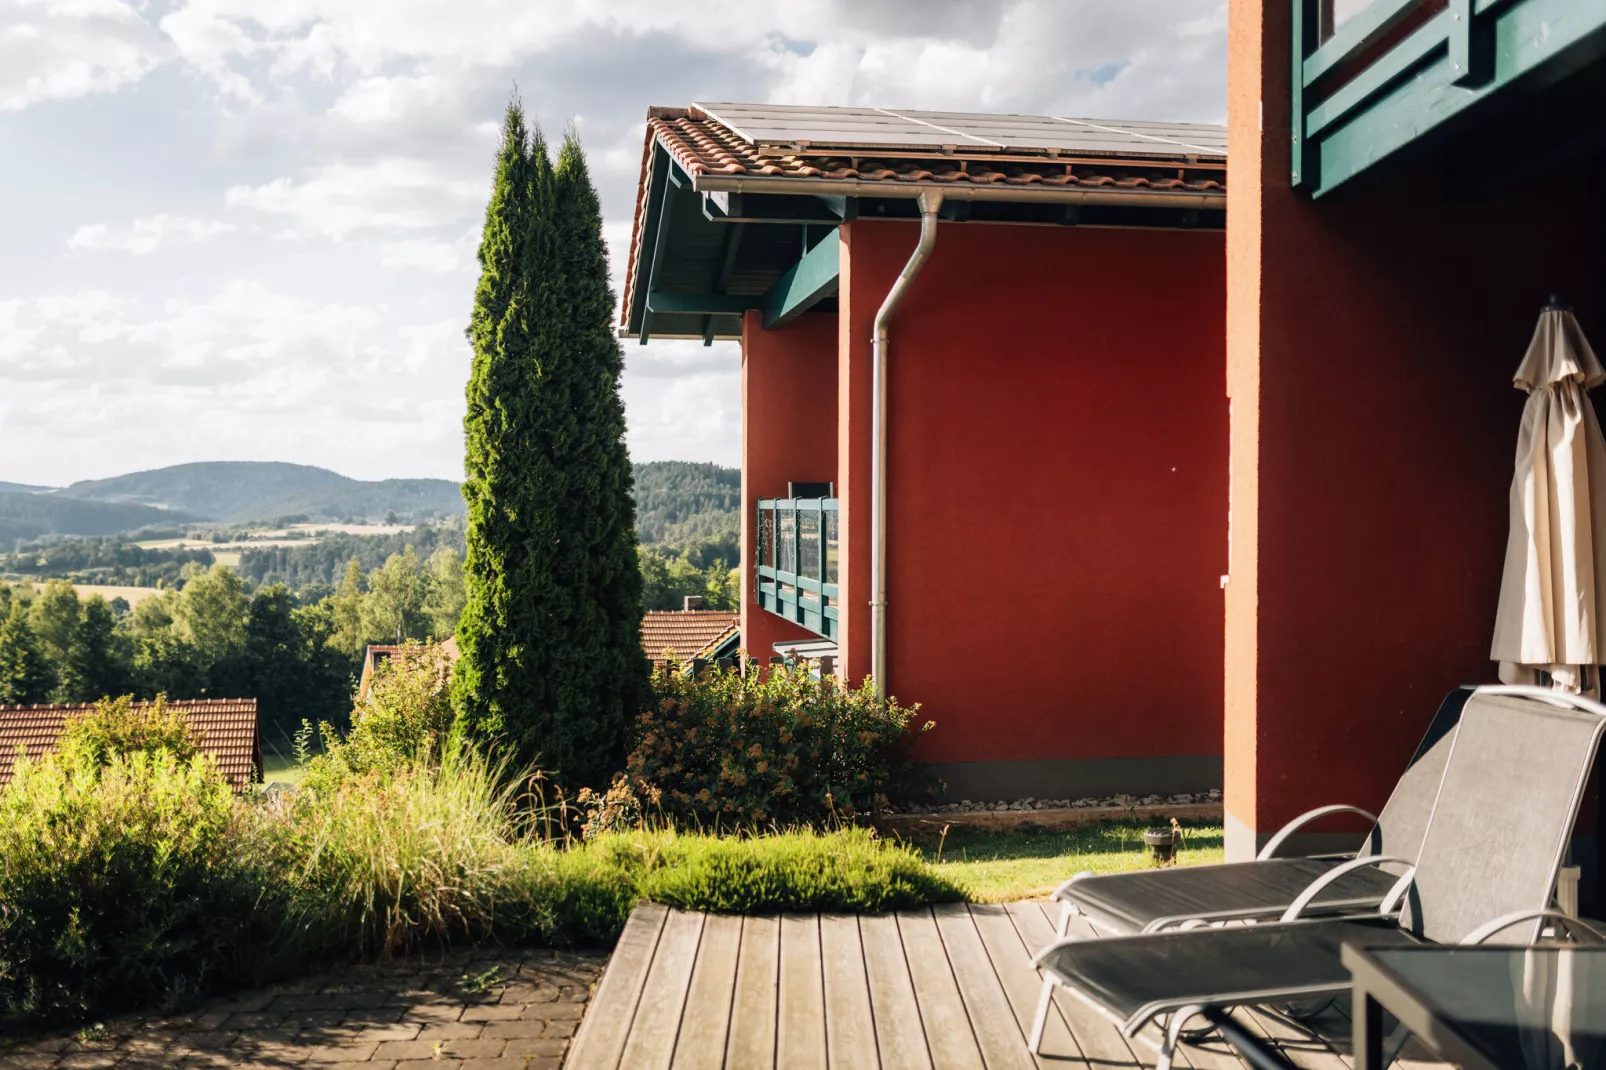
{"x": 381, "y": 652}
{"x": 688, "y": 633}
{"x": 227, "y": 729}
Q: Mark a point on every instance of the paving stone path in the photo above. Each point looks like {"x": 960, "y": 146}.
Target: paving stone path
{"x": 480, "y": 1010}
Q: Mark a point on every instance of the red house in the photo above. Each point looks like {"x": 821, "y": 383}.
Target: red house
{"x": 1412, "y": 182}
{"x": 984, "y": 446}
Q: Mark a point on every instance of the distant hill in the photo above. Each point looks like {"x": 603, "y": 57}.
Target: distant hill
{"x": 685, "y": 500}
{"x": 18, "y": 488}
{"x": 239, "y": 491}
{"x": 27, "y": 516}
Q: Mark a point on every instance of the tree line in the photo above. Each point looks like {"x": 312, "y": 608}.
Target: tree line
{"x": 209, "y": 636}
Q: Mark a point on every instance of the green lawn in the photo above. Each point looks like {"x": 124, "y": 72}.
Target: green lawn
{"x": 997, "y": 867}
{"x": 280, "y": 767}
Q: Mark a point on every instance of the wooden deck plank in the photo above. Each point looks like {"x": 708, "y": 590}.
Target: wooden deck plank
{"x": 899, "y": 1031}
{"x": 1000, "y": 1039}
{"x": 705, "y": 1025}
{"x": 753, "y": 1006}
{"x": 663, "y": 998}
{"x": 849, "y": 1023}
{"x": 1022, "y": 984}
{"x": 949, "y": 1038}
{"x": 602, "y": 1035}
{"x": 800, "y": 1029}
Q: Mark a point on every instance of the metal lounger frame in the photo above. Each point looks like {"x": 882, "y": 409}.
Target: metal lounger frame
{"x": 1181, "y": 1009}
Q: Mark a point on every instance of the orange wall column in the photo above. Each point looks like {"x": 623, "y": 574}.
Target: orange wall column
{"x": 789, "y": 399}
{"x": 1372, "y": 336}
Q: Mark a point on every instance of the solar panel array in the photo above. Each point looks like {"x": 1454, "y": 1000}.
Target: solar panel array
{"x": 883, "y": 128}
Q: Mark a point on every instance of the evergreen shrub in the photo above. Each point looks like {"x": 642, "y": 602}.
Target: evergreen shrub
{"x": 405, "y": 719}
{"x": 121, "y": 885}
{"x": 773, "y": 749}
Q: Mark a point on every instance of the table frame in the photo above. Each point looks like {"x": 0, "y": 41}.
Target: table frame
{"x": 1376, "y": 988}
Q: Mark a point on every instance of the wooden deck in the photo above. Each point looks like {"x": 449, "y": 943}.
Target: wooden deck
{"x": 951, "y": 986}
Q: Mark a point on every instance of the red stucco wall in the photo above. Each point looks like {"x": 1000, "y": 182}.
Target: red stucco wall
{"x": 1372, "y": 338}
{"x": 788, "y": 433}
{"x": 1058, "y": 513}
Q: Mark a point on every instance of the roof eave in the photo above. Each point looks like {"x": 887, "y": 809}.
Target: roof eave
{"x": 855, "y": 187}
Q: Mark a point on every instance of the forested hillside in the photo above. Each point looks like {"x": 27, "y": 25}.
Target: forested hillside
{"x": 688, "y": 517}
{"x": 254, "y": 490}
{"x": 669, "y": 494}
{"x": 27, "y": 516}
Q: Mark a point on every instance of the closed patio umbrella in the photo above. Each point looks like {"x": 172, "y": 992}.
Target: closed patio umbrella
{"x": 1553, "y": 590}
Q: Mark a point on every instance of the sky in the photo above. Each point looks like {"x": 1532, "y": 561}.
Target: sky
{"x": 246, "y": 229}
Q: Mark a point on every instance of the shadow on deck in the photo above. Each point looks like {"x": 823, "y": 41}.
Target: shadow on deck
{"x": 950, "y": 986}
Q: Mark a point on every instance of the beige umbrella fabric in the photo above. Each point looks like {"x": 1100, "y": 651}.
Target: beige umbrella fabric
{"x": 1553, "y": 591}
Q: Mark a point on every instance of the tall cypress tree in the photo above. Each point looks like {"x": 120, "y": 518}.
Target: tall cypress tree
{"x": 551, "y": 659}
{"x": 599, "y": 509}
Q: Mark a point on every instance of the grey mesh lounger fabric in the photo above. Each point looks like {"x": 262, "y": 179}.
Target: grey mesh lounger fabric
{"x": 1152, "y": 900}
{"x": 1496, "y": 838}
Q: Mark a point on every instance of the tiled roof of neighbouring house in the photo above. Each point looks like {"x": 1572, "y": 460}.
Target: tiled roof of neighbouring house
{"x": 686, "y": 632}
{"x": 227, "y": 730}
{"x": 379, "y": 653}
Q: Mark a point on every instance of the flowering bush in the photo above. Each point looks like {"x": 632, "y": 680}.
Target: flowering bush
{"x": 773, "y": 748}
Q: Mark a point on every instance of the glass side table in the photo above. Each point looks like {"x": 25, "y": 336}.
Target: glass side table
{"x": 1484, "y": 1008}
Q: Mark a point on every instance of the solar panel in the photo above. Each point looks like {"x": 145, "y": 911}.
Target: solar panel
{"x": 883, "y": 128}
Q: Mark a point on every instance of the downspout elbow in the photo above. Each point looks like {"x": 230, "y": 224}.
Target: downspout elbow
{"x": 930, "y": 204}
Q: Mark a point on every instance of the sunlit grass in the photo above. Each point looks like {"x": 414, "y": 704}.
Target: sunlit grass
{"x": 998, "y": 867}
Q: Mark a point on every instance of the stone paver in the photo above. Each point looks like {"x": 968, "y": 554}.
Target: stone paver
{"x": 473, "y": 1010}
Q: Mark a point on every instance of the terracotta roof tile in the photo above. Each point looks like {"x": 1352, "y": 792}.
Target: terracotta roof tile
{"x": 227, "y": 727}
{"x": 702, "y": 145}
{"x": 685, "y": 632}
{"x": 378, "y": 653}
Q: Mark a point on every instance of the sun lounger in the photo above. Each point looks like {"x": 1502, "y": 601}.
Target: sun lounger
{"x": 1157, "y": 899}
{"x": 1486, "y": 870}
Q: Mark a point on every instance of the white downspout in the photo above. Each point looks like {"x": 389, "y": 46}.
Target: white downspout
{"x": 930, "y": 202}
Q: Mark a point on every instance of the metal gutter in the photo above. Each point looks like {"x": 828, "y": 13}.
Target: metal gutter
{"x": 955, "y": 191}
{"x": 930, "y": 203}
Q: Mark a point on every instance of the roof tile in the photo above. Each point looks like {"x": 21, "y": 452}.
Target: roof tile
{"x": 227, "y": 727}
{"x": 685, "y": 632}
{"x": 702, "y": 145}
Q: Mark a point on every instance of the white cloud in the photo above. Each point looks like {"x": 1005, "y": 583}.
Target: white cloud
{"x": 364, "y": 131}
{"x": 436, "y": 257}
{"x": 245, "y": 372}
{"x": 145, "y": 236}
{"x": 386, "y": 195}
{"x": 55, "y": 50}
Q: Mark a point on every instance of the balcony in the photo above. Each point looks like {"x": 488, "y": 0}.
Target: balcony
{"x": 796, "y": 570}
{"x": 1371, "y": 79}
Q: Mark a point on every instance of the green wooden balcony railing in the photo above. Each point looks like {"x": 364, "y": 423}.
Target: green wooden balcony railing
{"x": 796, "y": 569}
{"x": 1399, "y": 71}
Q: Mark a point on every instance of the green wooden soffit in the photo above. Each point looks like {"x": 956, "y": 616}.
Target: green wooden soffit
{"x": 704, "y": 304}
{"x": 812, "y": 279}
